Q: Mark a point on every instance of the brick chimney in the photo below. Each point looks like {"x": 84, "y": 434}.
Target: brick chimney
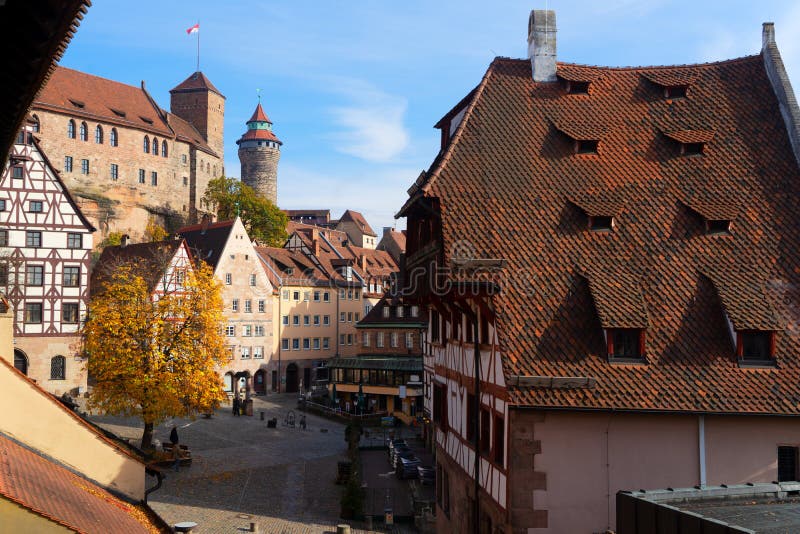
{"x": 363, "y": 262}
{"x": 315, "y": 247}
{"x": 542, "y": 44}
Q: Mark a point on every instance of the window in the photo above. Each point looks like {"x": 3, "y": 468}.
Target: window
{"x": 306, "y": 296}
{"x": 259, "y": 330}
{"x": 230, "y": 330}
{"x": 67, "y": 163}
{"x": 235, "y": 305}
{"x": 625, "y": 343}
{"x": 33, "y": 312}
{"x": 350, "y": 294}
{"x": 285, "y": 320}
{"x": 183, "y": 159}
{"x": 356, "y": 316}
{"x": 58, "y": 366}
{"x": 252, "y": 280}
{"x": 386, "y": 312}
{"x": 692, "y": 149}
{"x": 316, "y": 343}
{"x": 342, "y": 339}
{"x": 601, "y": 223}
{"x": 258, "y": 353}
{"x": 578, "y": 88}
{"x": 349, "y": 317}
{"x": 35, "y": 206}
{"x": 342, "y": 317}
{"x": 295, "y": 320}
{"x": 755, "y": 345}
{"x": 34, "y": 275}
{"x": 326, "y": 320}
{"x": 365, "y": 339}
{"x": 17, "y": 172}
{"x": 33, "y": 239}
{"x": 285, "y": 294}
{"x": 586, "y": 146}
{"x": 326, "y": 297}
{"x": 164, "y": 148}
{"x": 675, "y": 91}
{"x": 440, "y": 405}
{"x": 245, "y": 353}
{"x": 718, "y": 226}
{"x": 326, "y": 343}
{"x": 306, "y": 320}
{"x": 98, "y": 135}
{"x": 393, "y": 340}
{"x": 112, "y": 138}
{"x": 342, "y": 294}
{"x": 484, "y": 329}
{"x": 316, "y": 320}
{"x": 72, "y": 276}
{"x": 409, "y": 340}
{"x": 71, "y": 129}
{"x": 3, "y": 238}
{"x": 146, "y": 145}
{"x": 69, "y": 312}
{"x": 316, "y": 296}
{"x": 296, "y": 296}
{"x": 155, "y": 146}
{"x": 356, "y": 294}
{"x": 2, "y": 204}
{"x": 261, "y": 306}
{"x": 499, "y": 440}
{"x": 84, "y": 166}
{"x": 296, "y": 343}
{"x": 787, "y": 464}
{"x": 470, "y": 422}
{"x": 349, "y": 339}
{"x": 247, "y": 330}
{"x": 248, "y": 306}
{"x": 400, "y": 312}
{"x": 84, "y": 132}
{"x": 153, "y": 178}
{"x": 141, "y": 176}
{"x": 114, "y": 171}
{"x": 228, "y": 279}
{"x": 74, "y": 240}
{"x": 284, "y": 344}
{"x": 306, "y": 343}
{"x": 485, "y": 442}
{"x": 379, "y": 340}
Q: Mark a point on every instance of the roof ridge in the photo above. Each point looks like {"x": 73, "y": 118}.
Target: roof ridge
{"x": 637, "y": 67}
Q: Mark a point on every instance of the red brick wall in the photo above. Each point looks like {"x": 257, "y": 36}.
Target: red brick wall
{"x": 401, "y": 348}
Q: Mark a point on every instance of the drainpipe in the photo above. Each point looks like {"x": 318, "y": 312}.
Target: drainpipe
{"x": 159, "y": 479}
{"x": 280, "y": 335}
{"x": 701, "y": 443}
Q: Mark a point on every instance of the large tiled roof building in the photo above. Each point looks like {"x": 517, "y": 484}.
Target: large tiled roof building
{"x": 621, "y": 246}
{"x": 126, "y": 159}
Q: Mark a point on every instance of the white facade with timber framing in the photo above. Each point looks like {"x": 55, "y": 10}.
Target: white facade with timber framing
{"x": 45, "y": 246}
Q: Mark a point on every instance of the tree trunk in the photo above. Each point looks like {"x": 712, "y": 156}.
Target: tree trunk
{"x": 147, "y": 437}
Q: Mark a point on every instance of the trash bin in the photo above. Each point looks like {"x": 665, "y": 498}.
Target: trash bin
{"x": 388, "y": 516}
{"x": 248, "y": 407}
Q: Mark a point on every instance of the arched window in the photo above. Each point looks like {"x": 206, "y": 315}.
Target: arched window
{"x": 208, "y": 167}
{"x": 164, "y": 148}
{"x": 112, "y": 138}
{"x": 155, "y": 146}
{"x": 98, "y": 135}
{"x": 215, "y": 170}
{"x": 146, "y": 144}
{"x": 20, "y": 361}
{"x": 84, "y": 132}
{"x": 71, "y": 129}
{"x": 36, "y": 126}
{"x": 58, "y": 368}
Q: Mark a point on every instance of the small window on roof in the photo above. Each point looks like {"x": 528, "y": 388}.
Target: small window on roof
{"x": 578, "y": 88}
{"x": 718, "y": 226}
{"x": 625, "y": 343}
{"x": 601, "y": 223}
{"x": 146, "y": 119}
{"x": 77, "y": 103}
{"x": 117, "y": 112}
{"x": 755, "y": 345}
{"x": 692, "y": 149}
{"x": 586, "y": 146}
{"x": 675, "y": 91}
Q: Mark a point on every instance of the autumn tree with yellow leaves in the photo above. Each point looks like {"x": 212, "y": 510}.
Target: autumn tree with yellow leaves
{"x": 153, "y": 346}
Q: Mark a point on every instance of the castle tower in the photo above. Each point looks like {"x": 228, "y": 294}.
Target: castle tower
{"x": 259, "y": 152}
{"x": 198, "y": 102}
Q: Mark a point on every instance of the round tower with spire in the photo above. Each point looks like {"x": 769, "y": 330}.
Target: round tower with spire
{"x": 259, "y": 152}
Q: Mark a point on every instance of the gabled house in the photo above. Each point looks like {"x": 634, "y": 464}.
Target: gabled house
{"x": 357, "y": 229}
{"x": 45, "y": 247}
{"x": 247, "y": 296}
{"x": 567, "y": 245}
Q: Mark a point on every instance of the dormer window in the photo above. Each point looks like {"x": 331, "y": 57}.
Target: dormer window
{"x": 77, "y": 103}
{"x": 718, "y": 226}
{"x": 577, "y": 88}
{"x": 601, "y": 223}
{"x": 675, "y": 91}
{"x": 692, "y": 142}
{"x": 586, "y": 146}
{"x": 753, "y": 346}
{"x": 625, "y": 343}
{"x": 692, "y": 149}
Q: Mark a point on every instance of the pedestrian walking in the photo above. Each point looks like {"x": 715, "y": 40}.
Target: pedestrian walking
{"x": 236, "y": 406}
{"x": 176, "y": 448}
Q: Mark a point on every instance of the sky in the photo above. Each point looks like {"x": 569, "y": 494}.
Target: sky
{"x": 354, "y": 88}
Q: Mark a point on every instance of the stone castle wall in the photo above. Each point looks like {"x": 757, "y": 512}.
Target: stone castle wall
{"x": 260, "y": 170}
{"x": 206, "y": 111}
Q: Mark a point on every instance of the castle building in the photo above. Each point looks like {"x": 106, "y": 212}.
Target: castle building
{"x": 125, "y": 159}
{"x": 259, "y": 152}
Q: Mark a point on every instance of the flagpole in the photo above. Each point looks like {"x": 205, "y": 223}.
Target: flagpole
{"x": 198, "y": 45}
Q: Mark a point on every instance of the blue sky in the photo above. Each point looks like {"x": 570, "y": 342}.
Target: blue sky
{"x": 354, "y": 88}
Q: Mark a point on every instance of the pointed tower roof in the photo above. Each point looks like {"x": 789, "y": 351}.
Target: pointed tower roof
{"x": 259, "y": 115}
{"x": 196, "y": 81}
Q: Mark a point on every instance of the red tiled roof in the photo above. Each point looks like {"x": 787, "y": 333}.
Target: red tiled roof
{"x": 290, "y": 267}
{"x": 504, "y": 180}
{"x": 602, "y": 204}
{"x": 58, "y": 494}
{"x": 259, "y": 115}
{"x": 691, "y": 136}
{"x": 195, "y": 81}
{"x": 206, "y": 242}
{"x": 150, "y": 260}
{"x": 577, "y": 73}
{"x": 356, "y": 217}
{"x": 617, "y": 296}
{"x": 259, "y": 134}
{"x": 671, "y": 76}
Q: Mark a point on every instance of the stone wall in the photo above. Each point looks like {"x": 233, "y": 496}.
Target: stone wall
{"x": 260, "y": 170}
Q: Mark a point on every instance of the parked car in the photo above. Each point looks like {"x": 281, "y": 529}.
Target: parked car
{"x": 426, "y": 474}
{"x": 407, "y": 467}
{"x": 401, "y": 453}
{"x": 392, "y": 443}
{"x": 393, "y": 451}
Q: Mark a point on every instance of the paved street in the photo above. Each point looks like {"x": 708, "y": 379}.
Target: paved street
{"x": 243, "y": 472}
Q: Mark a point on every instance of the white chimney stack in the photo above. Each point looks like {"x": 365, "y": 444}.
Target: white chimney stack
{"x": 542, "y": 44}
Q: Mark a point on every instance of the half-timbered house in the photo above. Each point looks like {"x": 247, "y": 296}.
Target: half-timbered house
{"x": 615, "y": 251}
{"x": 45, "y": 246}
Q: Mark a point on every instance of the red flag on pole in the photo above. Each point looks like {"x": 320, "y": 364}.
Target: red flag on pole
{"x": 193, "y": 29}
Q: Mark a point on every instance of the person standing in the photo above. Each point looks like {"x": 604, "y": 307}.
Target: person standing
{"x": 236, "y": 406}
{"x": 176, "y": 448}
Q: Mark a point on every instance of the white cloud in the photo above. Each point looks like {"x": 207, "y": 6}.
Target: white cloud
{"x": 371, "y": 126}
